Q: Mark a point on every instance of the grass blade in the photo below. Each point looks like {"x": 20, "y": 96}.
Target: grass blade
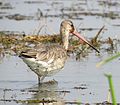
{"x": 108, "y": 60}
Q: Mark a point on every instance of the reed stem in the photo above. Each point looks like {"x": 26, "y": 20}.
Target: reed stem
{"x": 109, "y": 76}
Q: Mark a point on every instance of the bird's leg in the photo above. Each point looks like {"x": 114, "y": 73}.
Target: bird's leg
{"x": 39, "y": 80}
{"x": 45, "y": 74}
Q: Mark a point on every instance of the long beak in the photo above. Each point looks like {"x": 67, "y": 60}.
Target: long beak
{"x": 82, "y": 38}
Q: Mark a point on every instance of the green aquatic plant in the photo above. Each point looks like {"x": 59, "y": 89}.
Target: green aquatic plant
{"x": 108, "y": 59}
{"x": 109, "y": 76}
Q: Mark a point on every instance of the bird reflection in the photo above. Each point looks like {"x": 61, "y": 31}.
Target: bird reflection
{"x": 45, "y": 94}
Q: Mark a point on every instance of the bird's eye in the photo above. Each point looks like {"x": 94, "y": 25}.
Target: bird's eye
{"x": 72, "y": 25}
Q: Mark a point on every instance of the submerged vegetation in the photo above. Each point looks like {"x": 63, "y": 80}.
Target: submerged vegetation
{"x": 18, "y": 42}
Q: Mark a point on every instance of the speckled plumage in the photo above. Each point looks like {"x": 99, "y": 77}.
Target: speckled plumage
{"x": 45, "y": 60}
{"x": 48, "y": 59}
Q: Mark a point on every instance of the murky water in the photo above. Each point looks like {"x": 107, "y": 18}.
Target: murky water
{"x": 80, "y": 81}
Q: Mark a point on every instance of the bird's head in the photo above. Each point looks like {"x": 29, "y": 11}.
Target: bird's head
{"x": 68, "y": 28}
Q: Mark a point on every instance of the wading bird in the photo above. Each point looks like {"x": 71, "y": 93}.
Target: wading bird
{"x": 46, "y": 60}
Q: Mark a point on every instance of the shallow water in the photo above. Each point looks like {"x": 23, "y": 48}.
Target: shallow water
{"x": 79, "y": 81}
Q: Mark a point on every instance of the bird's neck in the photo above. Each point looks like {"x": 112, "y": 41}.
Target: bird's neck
{"x": 65, "y": 39}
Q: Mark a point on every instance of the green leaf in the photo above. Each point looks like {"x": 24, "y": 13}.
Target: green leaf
{"x": 108, "y": 60}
